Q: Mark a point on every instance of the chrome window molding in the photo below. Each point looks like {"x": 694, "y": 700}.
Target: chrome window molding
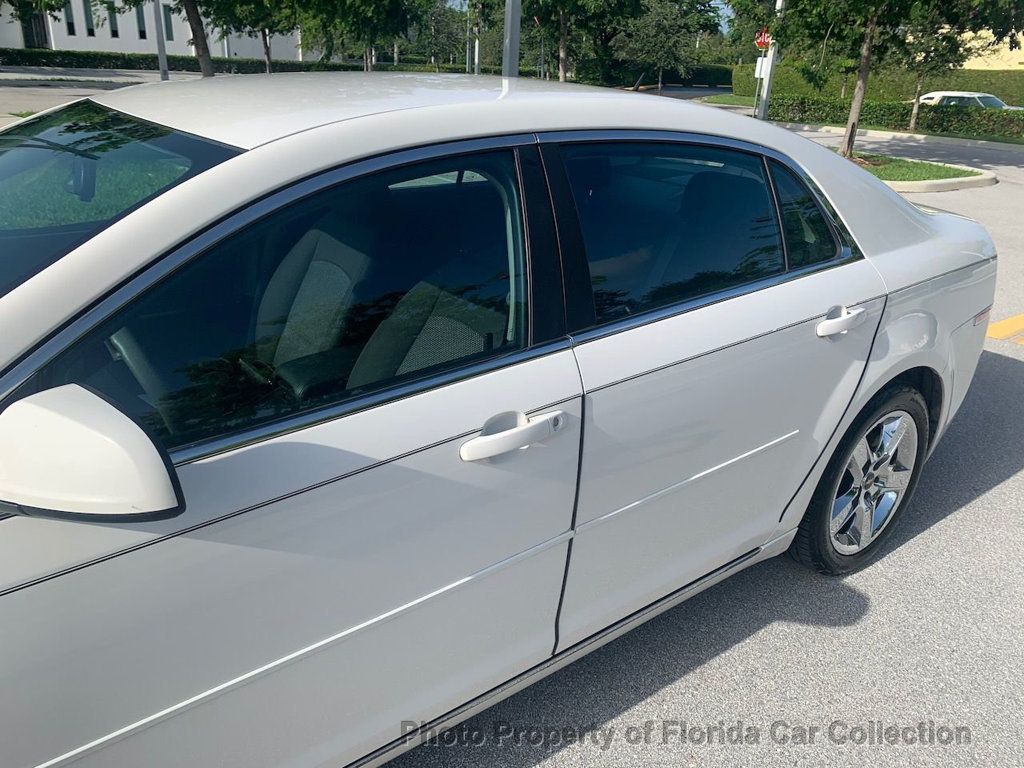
{"x": 306, "y": 419}
{"x": 163, "y": 266}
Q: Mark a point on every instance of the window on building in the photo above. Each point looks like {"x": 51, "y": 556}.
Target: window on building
{"x": 168, "y": 25}
{"x": 69, "y": 19}
{"x": 664, "y": 223}
{"x": 90, "y": 26}
{"x": 140, "y": 18}
{"x": 112, "y": 19}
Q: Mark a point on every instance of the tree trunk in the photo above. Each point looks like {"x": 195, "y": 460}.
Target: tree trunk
{"x": 328, "y": 52}
{"x": 917, "y": 102}
{"x": 395, "y": 52}
{"x": 265, "y": 39}
{"x": 639, "y": 80}
{"x": 199, "y": 40}
{"x": 563, "y": 46}
{"x": 368, "y": 59}
{"x": 846, "y": 148}
{"x": 660, "y": 79}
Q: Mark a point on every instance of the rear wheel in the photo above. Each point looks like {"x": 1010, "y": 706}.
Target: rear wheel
{"x": 868, "y": 481}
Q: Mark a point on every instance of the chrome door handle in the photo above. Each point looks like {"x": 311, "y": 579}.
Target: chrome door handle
{"x": 510, "y": 431}
{"x": 840, "y": 320}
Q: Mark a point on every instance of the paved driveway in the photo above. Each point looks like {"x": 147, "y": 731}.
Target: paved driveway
{"x": 931, "y": 633}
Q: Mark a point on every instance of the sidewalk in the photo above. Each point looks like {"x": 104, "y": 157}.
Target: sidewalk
{"x": 61, "y": 76}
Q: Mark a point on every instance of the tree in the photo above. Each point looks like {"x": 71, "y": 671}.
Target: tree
{"x": 193, "y": 14}
{"x": 253, "y": 18}
{"x": 662, "y": 36}
{"x": 934, "y": 43}
{"x": 878, "y": 29}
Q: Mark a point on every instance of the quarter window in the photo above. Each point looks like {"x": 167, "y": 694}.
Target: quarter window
{"x": 809, "y": 238}
{"x": 663, "y": 223}
{"x": 381, "y": 280}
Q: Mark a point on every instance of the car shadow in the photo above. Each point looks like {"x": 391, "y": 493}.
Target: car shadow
{"x": 611, "y": 680}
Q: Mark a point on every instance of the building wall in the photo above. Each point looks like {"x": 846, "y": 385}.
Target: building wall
{"x": 10, "y": 31}
{"x": 129, "y": 40}
{"x": 999, "y": 57}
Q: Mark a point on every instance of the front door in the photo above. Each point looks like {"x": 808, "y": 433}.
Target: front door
{"x": 355, "y": 555}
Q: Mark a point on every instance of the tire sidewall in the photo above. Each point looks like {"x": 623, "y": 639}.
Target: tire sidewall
{"x": 820, "y": 510}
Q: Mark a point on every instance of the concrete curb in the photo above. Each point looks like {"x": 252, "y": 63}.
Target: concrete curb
{"x": 921, "y": 137}
{"x": 983, "y": 179}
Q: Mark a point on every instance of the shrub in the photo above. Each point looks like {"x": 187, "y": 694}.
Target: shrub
{"x": 895, "y": 115}
{"x": 885, "y": 85}
{"x": 622, "y": 73}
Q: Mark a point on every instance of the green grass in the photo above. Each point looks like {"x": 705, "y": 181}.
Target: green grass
{"x": 730, "y": 99}
{"x": 40, "y": 196}
{"x": 899, "y": 169}
{"x": 26, "y": 113}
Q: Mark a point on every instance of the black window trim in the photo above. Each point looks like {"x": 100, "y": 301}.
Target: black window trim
{"x": 541, "y": 342}
{"x": 570, "y": 235}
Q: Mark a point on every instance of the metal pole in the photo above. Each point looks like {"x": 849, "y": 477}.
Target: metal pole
{"x": 769, "y": 69}
{"x": 510, "y": 51}
{"x": 468, "y": 29}
{"x": 161, "y": 46}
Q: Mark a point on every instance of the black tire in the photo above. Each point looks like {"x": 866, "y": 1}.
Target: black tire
{"x": 813, "y": 545}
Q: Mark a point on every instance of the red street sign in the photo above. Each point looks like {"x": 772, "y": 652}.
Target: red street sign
{"x": 762, "y": 39}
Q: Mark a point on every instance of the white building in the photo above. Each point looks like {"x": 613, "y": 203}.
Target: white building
{"x": 81, "y": 27}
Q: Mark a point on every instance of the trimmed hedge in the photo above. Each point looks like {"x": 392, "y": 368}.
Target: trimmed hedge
{"x": 965, "y": 121}
{"x": 619, "y": 73}
{"x": 887, "y": 85}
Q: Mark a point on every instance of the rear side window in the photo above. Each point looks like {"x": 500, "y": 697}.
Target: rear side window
{"x": 663, "y": 223}
{"x": 809, "y": 238}
{"x": 378, "y": 281}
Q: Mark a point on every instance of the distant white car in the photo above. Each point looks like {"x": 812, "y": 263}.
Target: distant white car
{"x": 338, "y": 407}
{"x": 965, "y": 99}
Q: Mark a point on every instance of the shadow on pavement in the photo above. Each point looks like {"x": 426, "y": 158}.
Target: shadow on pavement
{"x": 980, "y": 450}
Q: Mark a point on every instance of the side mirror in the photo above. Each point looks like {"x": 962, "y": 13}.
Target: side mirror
{"x": 67, "y": 453}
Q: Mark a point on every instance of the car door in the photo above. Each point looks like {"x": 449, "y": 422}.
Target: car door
{"x": 375, "y": 421}
{"x": 717, "y": 356}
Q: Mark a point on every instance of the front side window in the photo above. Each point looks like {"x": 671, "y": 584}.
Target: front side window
{"x": 664, "y": 223}
{"x": 809, "y": 238}
{"x": 992, "y": 102}
{"x": 381, "y": 280}
{"x": 68, "y": 175}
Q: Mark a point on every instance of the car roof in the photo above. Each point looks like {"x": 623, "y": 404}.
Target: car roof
{"x": 250, "y": 110}
{"x": 956, "y": 93}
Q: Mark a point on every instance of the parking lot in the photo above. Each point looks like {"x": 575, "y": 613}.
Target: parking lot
{"x": 926, "y": 637}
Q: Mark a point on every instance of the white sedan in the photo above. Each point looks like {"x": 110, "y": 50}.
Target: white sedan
{"x": 336, "y": 408}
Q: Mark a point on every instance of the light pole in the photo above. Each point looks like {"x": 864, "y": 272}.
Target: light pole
{"x": 161, "y": 46}
{"x": 510, "y": 50}
{"x": 769, "y": 69}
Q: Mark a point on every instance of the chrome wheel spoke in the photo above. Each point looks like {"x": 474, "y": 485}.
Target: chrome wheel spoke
{"x": 876, "y": 478}
{"x": 843, "y": 508}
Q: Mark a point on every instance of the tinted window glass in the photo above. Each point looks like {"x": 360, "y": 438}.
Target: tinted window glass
{"x": 67, "y": 175}
{"x": 667, "y": 222}
{"x": 808, "y": 237}
{"x": 377, "y": 281}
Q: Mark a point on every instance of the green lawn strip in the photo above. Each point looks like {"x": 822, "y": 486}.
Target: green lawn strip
{"x": 899, "y": 169}
{"x": 730, "y": 99}
{"x": 26, "y": 113}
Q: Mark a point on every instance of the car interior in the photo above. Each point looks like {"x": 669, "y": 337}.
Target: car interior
{"x": 379, "y": 280}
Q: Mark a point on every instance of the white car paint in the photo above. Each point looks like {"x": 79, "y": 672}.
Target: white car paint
{"x": 325, "y": 584}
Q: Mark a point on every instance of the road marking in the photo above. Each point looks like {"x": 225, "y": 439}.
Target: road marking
{"x": 1007, "y": 329}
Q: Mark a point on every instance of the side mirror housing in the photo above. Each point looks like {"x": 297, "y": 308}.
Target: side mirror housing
{"x": 67, "y": 453}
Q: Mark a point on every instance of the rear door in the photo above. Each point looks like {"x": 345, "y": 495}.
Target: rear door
{"x": 353, "y": 559}
{"x": 709, "y": 392}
